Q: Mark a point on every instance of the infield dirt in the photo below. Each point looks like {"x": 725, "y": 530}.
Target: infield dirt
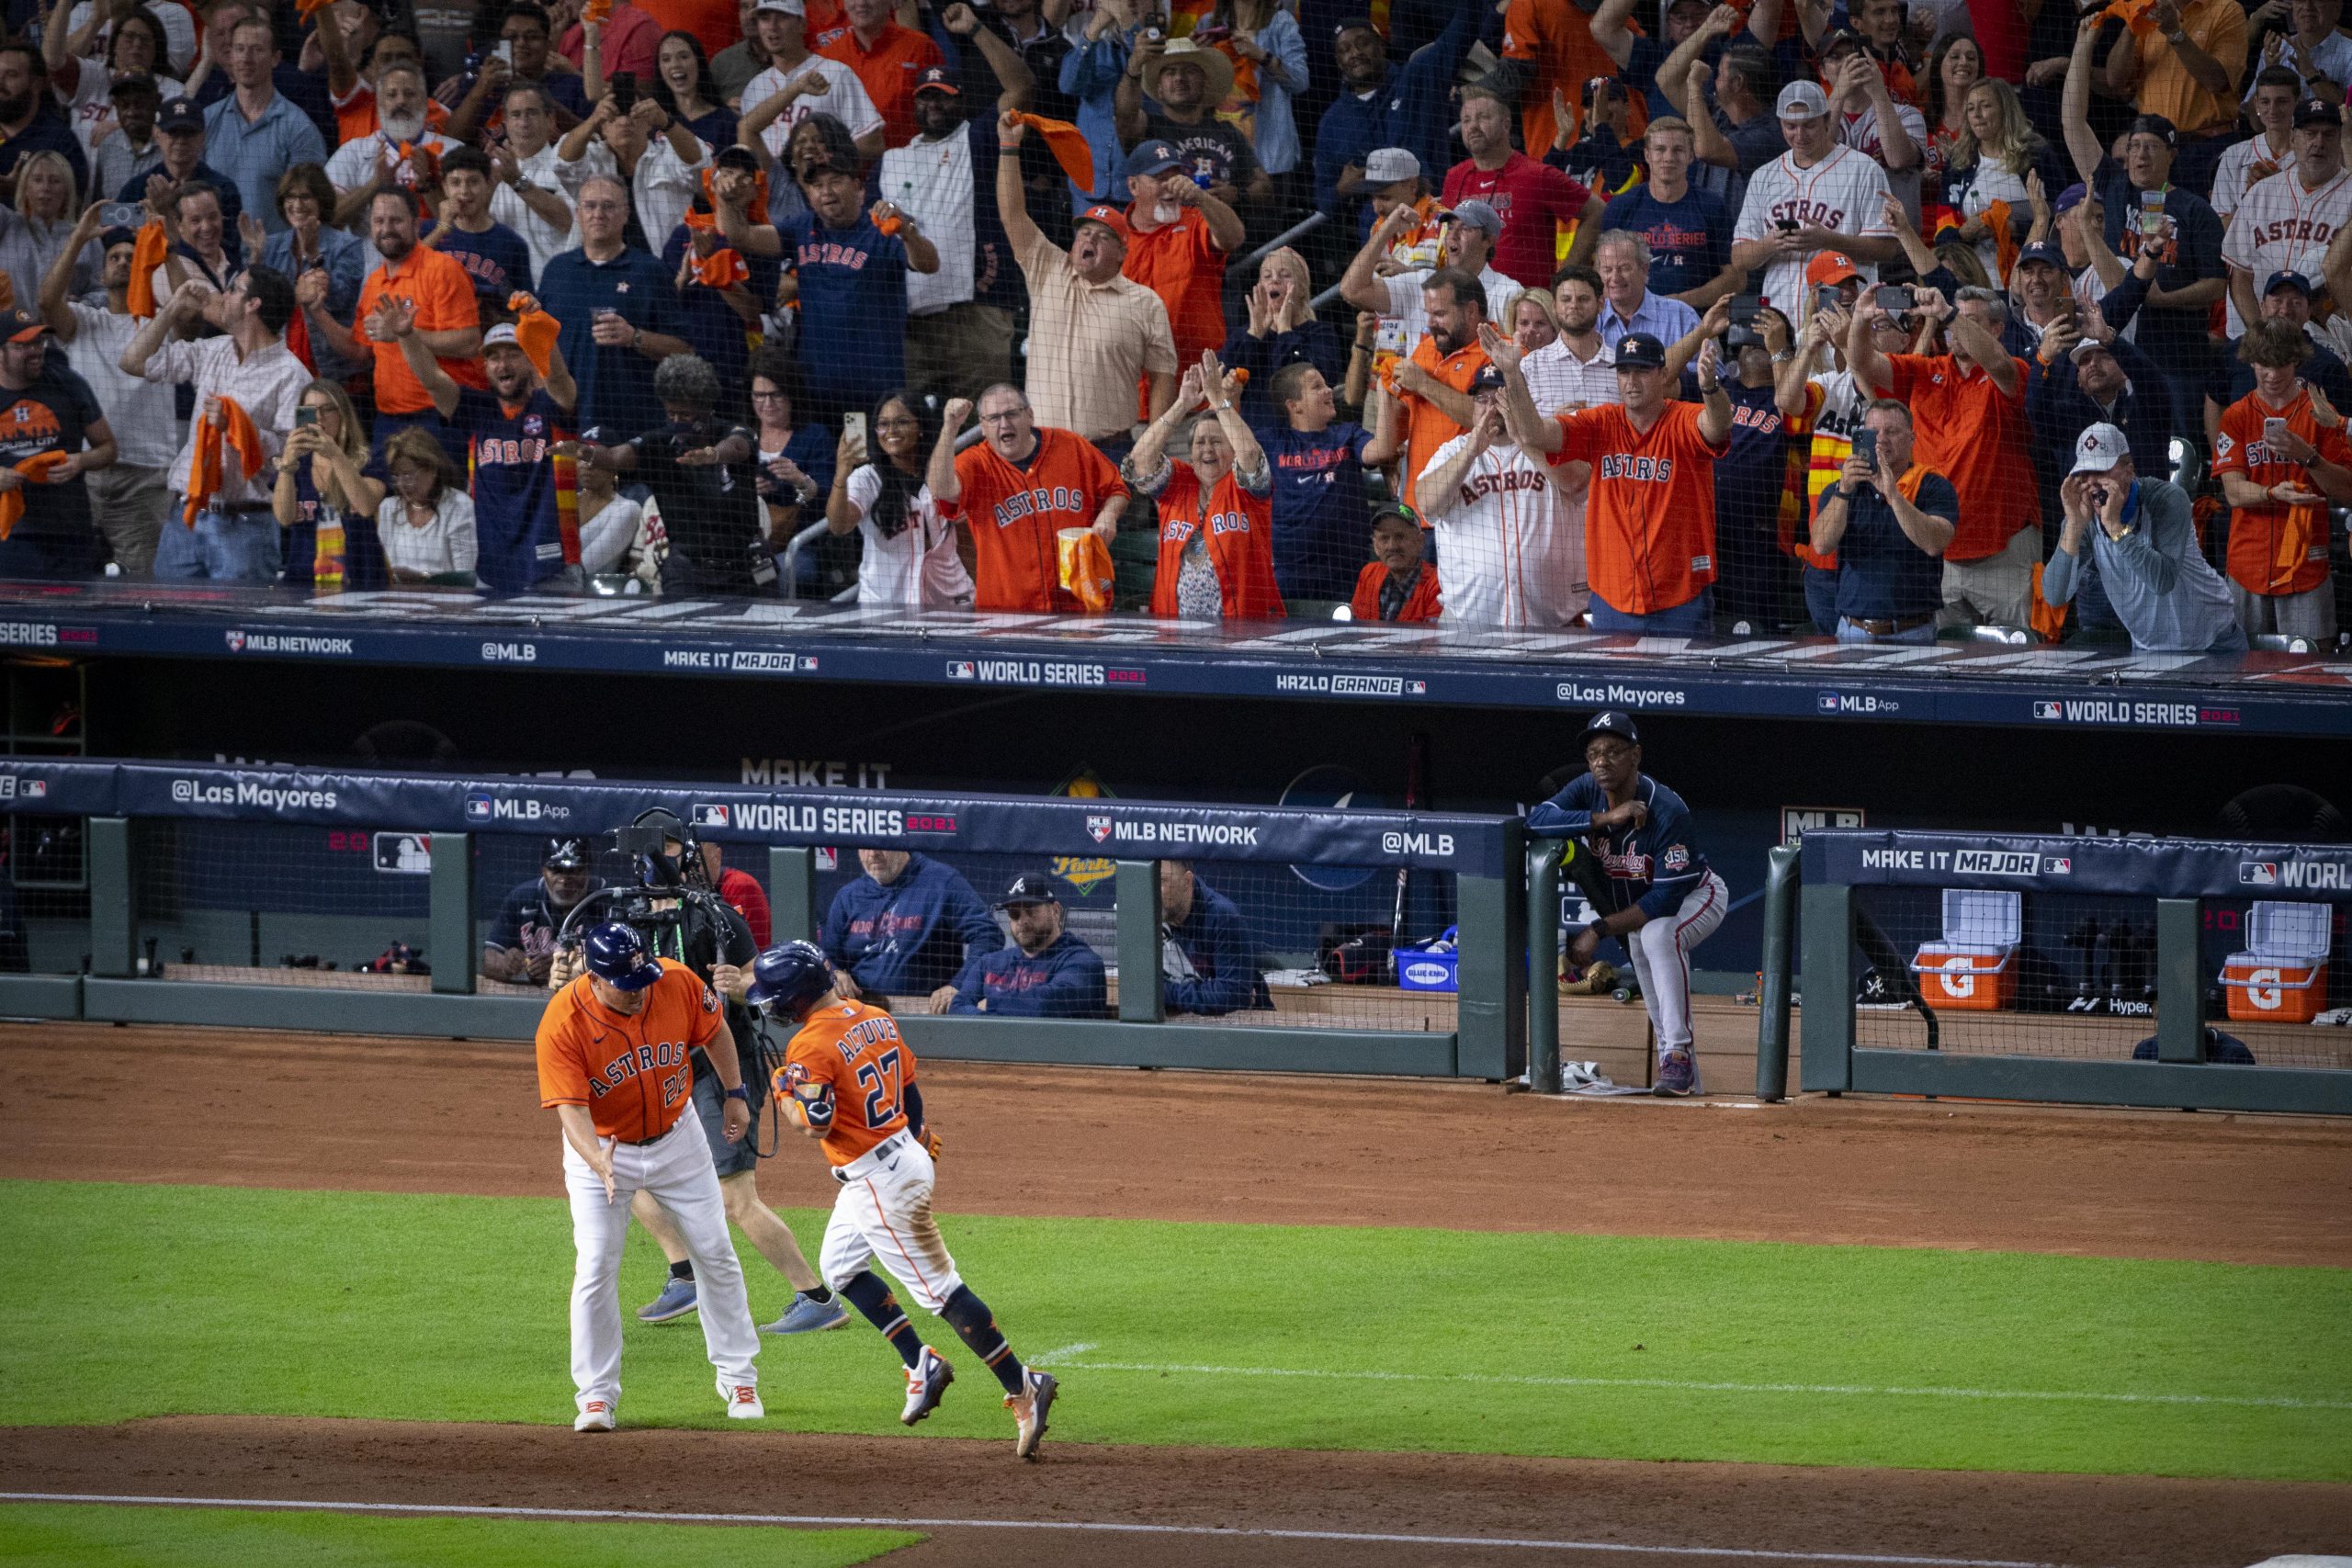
{"x": 90, "y": 1102}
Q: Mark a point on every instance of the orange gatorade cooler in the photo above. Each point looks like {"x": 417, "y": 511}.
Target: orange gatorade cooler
{"x": 1974, "y": 967}
{"x": 2283, "y": 976}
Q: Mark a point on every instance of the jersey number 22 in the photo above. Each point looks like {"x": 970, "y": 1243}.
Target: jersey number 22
{"x": 879, "y": 1078}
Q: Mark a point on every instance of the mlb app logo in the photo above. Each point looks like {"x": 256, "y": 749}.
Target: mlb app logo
{"x": 477, "y": 807}
{"x": 961, "y": 670}
{"x": 710, "y": 816}
{"x": 2048, "y": 710}
{"x": 1099, "y": 826}
{"x": 2258, "y": 872}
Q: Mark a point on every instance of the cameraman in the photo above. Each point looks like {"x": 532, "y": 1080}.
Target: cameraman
{"x": 683, "y": 919}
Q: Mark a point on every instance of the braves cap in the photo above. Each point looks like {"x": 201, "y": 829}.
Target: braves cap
{"x": 1153, "y": 158}
{"x": 1029, "y": 888}
{"x": 2099, "y": 448}
{"x": 935, "y": 79}
{"x": 2288, "y": 281}
{"x": 564, "y": 854}
{"x": 1838, "y": 40}
{"x": 1613, "y": 721}
{"x": 1639, "y": 351}
{"x": 1109, "y": 218}
{"x": 2045, "y": 252}
{"x": 179, "y": 115}
{"x": 1801, "y": 100}
{"x": 15, "y": 326}
{"x": 1479, "y": 215}
{"x": 1386, "y": 165}
{"x": 2316, "y": 111}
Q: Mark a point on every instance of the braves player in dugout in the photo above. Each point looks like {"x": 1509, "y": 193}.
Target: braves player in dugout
{"x": 1668, "y": 899}
{"x": 848, "y": 1080}
{"x": 615, "y": 1060}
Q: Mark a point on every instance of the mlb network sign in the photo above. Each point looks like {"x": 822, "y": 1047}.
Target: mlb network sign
{"x": 2297, "y": 875}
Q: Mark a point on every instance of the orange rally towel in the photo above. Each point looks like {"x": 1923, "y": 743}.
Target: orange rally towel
{"x": 204, "y": 479}
{"x": 310, "y": 7}
{"x": 1086, "y": 569}
{"x": 702, "y": 223}
{"x": 2005, "y": 239}
{"x": 596, "y": 12}
{"x": 720, "y": 269}
{"x": 147, "y": 253}
{"x": 1067, "y": 144}
{"x": 36, "y": 471}
{"x": 2137, "y": 15}
{"x": 535, "y": 333}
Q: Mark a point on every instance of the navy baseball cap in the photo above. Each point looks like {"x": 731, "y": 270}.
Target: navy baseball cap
{"x": 619, "y": 956}
{"x": 1639, "y": 351}
{"x": 935, "y": 79}
{"x": 1612, "y": 721}
{"x": 1487, "y": 380}
{"x": 1347, "y": 25}
{"x": 117, "y": 236}
{"x": 566, "y": 854}
{"x": 2157, "y": 125}
{"x": 179, "y": 115}
{"x": 1029, "y": 888}
{"x": 2295, "y": 280}
{"x": 2045, "y": 252}
{"x": 1153, "y": 158}
{"x": 2316, "y": 111}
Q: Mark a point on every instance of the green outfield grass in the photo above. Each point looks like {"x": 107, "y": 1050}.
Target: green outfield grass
{"x": 98, "y": 1536}
{"x": 148, "y": 1300}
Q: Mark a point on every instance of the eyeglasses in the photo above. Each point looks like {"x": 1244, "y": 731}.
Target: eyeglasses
{"x": 1007, "y": 416}
{"x": 769, "y": 398}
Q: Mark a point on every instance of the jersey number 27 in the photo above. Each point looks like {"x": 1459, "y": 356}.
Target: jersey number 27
{"x": 879, "y": 1078}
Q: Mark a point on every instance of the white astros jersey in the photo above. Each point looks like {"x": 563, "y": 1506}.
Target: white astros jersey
{"x": 1845, "y": 193}
{"x": 2281, "y": 227}
{"x": 1510, "y": 551}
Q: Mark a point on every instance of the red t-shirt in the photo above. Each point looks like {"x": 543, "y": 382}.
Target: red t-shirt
{"x": 1535, "y": 201}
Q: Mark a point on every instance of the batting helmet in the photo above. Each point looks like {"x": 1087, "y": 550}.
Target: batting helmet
{"x": 789, "y": 977}
{"x": 618, "y": 956}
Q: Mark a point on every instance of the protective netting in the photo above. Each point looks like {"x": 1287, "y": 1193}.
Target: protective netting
{"x": 1984, "y": 972}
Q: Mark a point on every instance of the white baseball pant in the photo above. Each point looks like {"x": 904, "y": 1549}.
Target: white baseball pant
{"x": 883, "y": 1211}
{"x": 676, "y": 1170}
{"x": 1662, "y": 959}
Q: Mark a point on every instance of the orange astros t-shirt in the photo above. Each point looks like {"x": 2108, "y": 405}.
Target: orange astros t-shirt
{"x": 857, "y": 1049}
{"x": 631, "y": 1070}
{"x": 2275, "y": 549}
{"x": 1649, "y": 519}
{"x": 888, "y": 71}
{"x": 1975, "y": 435}
{"x": 1014, "y": 512}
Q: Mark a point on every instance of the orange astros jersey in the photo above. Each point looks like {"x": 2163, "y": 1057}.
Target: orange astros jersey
{"x": 1014, "y": 512}
{"x": 629, "y": 1070}
{"x": 855, "y": 1050}
{"x": 1649, "y": 519}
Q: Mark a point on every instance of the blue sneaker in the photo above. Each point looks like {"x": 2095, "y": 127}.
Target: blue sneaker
{"x": 1676, "y": 1075}
{"x": 806, "y": 1316}
{"x": 676, "y": 1300}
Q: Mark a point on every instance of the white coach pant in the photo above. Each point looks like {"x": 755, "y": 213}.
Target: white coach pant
{"x": 676, "y": 1170}
{"x": 1662, "y": 960}
{"x": 884, "y": 1211}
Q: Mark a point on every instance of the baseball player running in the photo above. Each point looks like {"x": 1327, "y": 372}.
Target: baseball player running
{"x": 849, "y": 1081}
{"x": 613, "y": 1065}
{"x": 1668, "y": 901}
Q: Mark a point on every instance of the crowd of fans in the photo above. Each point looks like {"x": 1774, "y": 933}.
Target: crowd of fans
{"x": 1870, "y": 318}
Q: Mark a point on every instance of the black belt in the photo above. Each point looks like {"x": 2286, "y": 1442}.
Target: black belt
{"x": 648, "y": 1142}
{"x": 1888, "y": 628}
{"x": 247, "y": 511}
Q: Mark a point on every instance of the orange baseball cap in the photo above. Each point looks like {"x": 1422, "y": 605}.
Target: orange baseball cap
{"x": 1828, "y": 269}
{"x": 1111, "y": 218}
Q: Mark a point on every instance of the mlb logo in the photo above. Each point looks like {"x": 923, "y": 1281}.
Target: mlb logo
{"x": 477, "y": 807}
{"x": 808, "y": 662}
{"x": 1417, "y": 688}
{"x": 236, "y": 642}
{"x": 710, "y": 816}
{"x": 829, "y": 860}
{"x": 961, "y": 670}
{"x": 1826, "y": 701}
{"x": 2048, "y": 710}
{"x": 2059, "y": 865}
{"x": 2258, "y": 872}
{"x": 1099, "y": 826}
{"x": 36, "y": 788}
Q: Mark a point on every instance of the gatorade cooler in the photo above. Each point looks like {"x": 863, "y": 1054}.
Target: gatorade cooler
{"x": 1974, "y": 967}
{"x": 2283, "y": 976}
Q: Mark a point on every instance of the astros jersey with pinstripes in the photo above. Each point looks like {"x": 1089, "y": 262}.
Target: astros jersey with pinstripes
{"x": 857, "y": 1049}
{"x": 1508, "y": 552}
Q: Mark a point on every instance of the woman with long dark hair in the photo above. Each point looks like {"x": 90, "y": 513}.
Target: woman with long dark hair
{"x": 683, "y": 87}
{"x": 909, "y": 555}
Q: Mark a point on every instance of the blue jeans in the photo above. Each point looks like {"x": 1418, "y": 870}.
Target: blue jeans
{"x": 225, "y": 547}
{"x": 2232, "y": 640}
{"x": 1694, "y": 618}
{"x": 1924, "y": 633}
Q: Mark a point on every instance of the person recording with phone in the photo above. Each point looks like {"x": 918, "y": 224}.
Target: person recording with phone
{"x": 1888, "y": 520}
{"x": 1756, "y": 579}
{"x": 2140, "y": 534}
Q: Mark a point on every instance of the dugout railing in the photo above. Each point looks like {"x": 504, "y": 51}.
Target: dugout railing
{"x": 247, "y": 897}
{"x": 2111, "y": 971}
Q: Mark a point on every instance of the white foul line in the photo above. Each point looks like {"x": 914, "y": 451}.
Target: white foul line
{"x": 1871, "y": 1390}
{"x": 1097, "y": 1527}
